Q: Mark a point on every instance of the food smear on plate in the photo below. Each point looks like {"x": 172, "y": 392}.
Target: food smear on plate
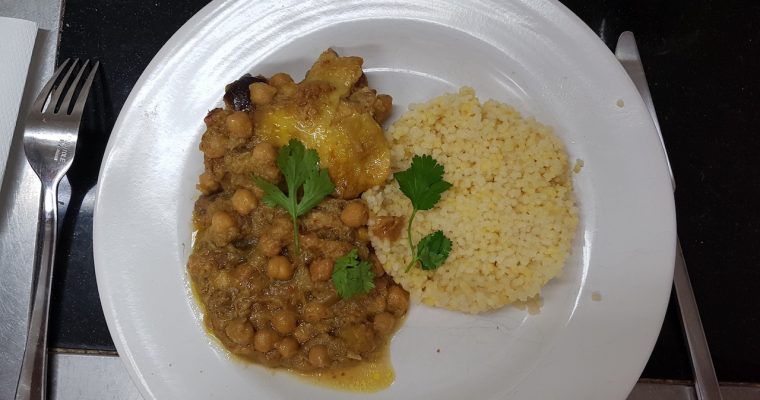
{"x": 510, "y": 212}
{"x": 282, "y": 263}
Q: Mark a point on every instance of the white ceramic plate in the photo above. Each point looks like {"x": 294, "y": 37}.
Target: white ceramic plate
{"x": 537, "y": 56}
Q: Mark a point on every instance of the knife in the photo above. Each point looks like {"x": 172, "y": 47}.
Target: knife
{"x": 705, "y": 381}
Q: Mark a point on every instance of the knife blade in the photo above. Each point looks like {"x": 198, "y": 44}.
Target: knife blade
{"x": 705, "y": 380}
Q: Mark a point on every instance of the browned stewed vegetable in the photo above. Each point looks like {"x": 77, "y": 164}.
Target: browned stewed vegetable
{"x": 237, "y": 96}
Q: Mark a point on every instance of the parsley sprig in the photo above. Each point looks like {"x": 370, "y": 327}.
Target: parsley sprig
{"x": 300, "y": 167}
{"x": 423, "y": 184}
{"x": 352, "y": 276}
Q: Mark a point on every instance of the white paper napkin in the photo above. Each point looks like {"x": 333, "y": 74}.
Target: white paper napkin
{"x": 16, "y": 44}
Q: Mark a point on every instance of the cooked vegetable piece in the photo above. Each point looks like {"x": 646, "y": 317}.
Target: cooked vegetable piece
{"x": 237, "y": 95}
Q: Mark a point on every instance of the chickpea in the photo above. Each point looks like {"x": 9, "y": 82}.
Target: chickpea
{"x": 384, "y": 323}
{"x": 239, "y": 125}
{"x": 362, "y": 234}
{"x": 309, "y": 240}
{"x": 279, "y": 267}
{"x": 261, "y": 93}
{"x": 355, "y": 214}
{"x": 287, "y": 90}
{"x": 240, "y": 331}
{"x": 265, "y": 339}
{"x": 271, "y": 173}
{"x": 279, "y": 79}
{"x": 269, "y": 246}
{"x": 221, "y": 221}
{"x": 207, "y": 183}
{"x": 321, "y": 270}
{"x": 213, "y": 146}
{"x": 223, "y": 228}
{"x": 398, "y": 300}
{"x": 243, "y": 201}
{"x": 319, "y": 356}
{"x": 314, "y": 312}
{"x": 264, "y": 153}
{"x": 287, "y": 347}
{"x": 284, "y": 321}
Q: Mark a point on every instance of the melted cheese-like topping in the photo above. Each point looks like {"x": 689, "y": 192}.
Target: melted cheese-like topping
{"x": 320, "y": 112}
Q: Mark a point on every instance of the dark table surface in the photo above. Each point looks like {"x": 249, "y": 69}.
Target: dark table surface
{"x": 702, "y": 60}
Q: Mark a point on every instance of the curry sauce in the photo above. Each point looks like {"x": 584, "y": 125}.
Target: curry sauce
{"x": 264, "y": 301}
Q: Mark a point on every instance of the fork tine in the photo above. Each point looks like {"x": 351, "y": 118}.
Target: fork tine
{"x": 45, "y": 92}
{"x": 70, "y": 93}
{"x": 79, "y": 106}
{"x": 56, "y": 95}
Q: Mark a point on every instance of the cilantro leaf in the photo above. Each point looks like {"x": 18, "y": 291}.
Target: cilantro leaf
{"x": 352, "y": 276}
{"x": 433, "y": 250}
{"x": 300, "y": 167}
{"x": 316, "y": 188}
{"x": 273, "y": 196}
{"x": 297, "y": 164}
{"x": 423, "y": 182}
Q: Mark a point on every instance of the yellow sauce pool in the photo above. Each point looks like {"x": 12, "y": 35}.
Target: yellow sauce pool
{"x": 366, "y": 376}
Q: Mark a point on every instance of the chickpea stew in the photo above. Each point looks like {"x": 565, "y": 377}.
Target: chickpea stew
{"x": 263, "y": 300}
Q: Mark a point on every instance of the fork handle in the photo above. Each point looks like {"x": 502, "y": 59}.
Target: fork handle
{"x": 33, "y": 378}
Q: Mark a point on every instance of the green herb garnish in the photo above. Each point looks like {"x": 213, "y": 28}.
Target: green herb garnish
{"x": 352, "y": 276}
{"x": 300, "y": 167}
{"x": 423, "y": 184}
{"x": 433, "y": 250}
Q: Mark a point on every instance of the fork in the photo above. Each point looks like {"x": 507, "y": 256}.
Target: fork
{"x": 50, "y": 139}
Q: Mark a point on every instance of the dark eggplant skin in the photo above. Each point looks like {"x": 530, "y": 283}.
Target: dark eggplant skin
{"x": 237, "y": 96}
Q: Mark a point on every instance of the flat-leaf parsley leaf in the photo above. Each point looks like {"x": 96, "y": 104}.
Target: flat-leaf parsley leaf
{"x": 352, "y": 276}
{"x": 300, "y": 167}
